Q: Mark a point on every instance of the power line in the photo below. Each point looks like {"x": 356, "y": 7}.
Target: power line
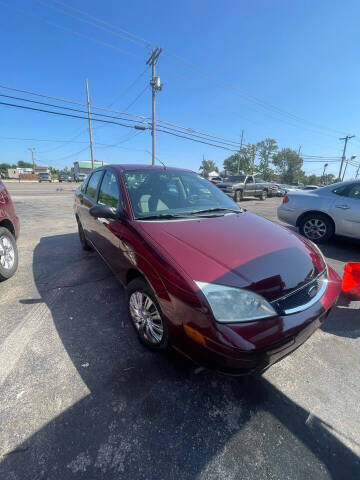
{"x": 66, "y": 29}
{"x": 146, "y": 42}
{"x": 112, "y": 122}
{"x": 106, "y": 29}
{"x": 143, "y": 119}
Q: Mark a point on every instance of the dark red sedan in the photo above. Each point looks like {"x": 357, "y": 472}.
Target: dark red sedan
{"x": 9, "y": 231}
{"x": 224, "y": 287}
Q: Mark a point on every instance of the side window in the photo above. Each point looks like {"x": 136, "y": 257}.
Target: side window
{"x": 109, "y": 191}
{"x": 250, "y": 180}
{"x": 259, "y": 180}
{"x": 84, "y": 183}
{"x": 354, "y": 191}
{"x": 93, "y": 183}
{"x": 341, "y": 190}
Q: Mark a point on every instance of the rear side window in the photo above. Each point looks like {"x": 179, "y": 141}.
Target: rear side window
{"x": 93, "y": 184}
{"x": 341, "y": 190}
{"x": 109, "y": 191}
{"x": 354, "y": 191}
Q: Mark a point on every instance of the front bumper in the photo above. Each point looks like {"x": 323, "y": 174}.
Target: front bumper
{"x": 252, "y": 347}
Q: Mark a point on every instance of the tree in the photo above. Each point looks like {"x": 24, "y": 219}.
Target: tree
{"x": 288, "y": 164}
{"x": 266, "y": 149}
{"x": 208, "y": 166}
{"x": 242, "y": 161}
{"x": 22, "y": 164}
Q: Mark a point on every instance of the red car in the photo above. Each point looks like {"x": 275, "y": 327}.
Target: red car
{"x": 9, "y": 231}
{"x": 226, "y": 288}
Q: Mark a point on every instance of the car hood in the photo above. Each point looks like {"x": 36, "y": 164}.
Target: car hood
{"x": 240, "y": 250}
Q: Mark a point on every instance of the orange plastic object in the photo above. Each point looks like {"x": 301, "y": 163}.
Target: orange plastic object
{"x": 351, "y": 280}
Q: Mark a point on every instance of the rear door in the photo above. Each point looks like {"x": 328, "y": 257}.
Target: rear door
{"x": 88, "y": 199}
{"x": 346, "y": 210}
{"x": 250, "y": 186}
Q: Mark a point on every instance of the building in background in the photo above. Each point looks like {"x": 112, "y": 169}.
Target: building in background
{"x": 82, "y": 169}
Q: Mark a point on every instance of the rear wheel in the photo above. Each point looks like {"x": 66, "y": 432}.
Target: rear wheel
{"x": 316, "y": 227}
{"x": 146, "y": 316}
{"x": 238, "y": 196}
{"x": 263, "y": 195}
{"x": 8, "y": 254}
{"x": 84, "y": 243}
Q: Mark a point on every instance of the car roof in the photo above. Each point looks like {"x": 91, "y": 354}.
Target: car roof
{"x": 128, "y": 167}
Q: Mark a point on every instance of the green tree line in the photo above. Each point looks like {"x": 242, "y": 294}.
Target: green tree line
{"x": 269, "y": 162}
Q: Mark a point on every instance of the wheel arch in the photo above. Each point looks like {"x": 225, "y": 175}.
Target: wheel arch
{"x": 317, "y": 212}
{"x": 8, "y": 224}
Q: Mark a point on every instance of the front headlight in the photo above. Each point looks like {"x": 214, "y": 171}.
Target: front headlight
{"x": 230, "y": 305}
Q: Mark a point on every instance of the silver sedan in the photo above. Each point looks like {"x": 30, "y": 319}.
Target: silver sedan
{"x": 321, "y": 213}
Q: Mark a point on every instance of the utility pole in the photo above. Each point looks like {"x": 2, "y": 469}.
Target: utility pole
{"x": 357, "y": 171}
{"x": 32, "y": 150}
{"x": 89, "y": 119}
{"x": 346, "y": 139}
{"x": 241, "y": 144}
{"x": 299, "y": 150}
{"x": 155, "y": 86}
{"x": 347, "y": 162}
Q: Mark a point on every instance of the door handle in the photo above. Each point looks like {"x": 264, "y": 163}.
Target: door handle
{"x": 343, "y": 207}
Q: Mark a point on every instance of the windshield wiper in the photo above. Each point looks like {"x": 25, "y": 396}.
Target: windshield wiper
{"x": 163, "y": 216}
{"x": 217, "y": 209}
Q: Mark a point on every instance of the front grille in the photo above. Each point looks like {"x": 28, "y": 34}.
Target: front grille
{"x": 303, "y": 297}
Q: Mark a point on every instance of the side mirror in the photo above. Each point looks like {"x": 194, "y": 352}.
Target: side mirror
{"x": 104, "y": 211}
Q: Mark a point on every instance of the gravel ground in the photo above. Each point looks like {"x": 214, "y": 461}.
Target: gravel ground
{"x": 80, "y": 397}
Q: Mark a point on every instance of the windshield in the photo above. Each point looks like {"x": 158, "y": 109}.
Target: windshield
{"x": 163, "y": 192}
{"x": 235, "y": 178}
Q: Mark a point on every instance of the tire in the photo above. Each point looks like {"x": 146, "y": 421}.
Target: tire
{"x": 84, "y": 243}
{"x": 238, "y": 196}
{"x": 264, "y": 195}
{"x": 316, "y": 227}
{"x": 152, "y": 329}
{"x": 9, "y": 257}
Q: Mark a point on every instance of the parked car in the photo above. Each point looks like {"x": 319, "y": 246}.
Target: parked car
{"x": 64, "y": 177}
{"x": 276, "y": 190}
{"x": 44, "y": 177}
{"x": 321, "y": 213}
{"x": 310, "y": 187}
{"x": 226, "y": 288}
{"x": 215, "y": 180}
{"x": 240, "y": 186}
{"x": 80, "y": 177}
{"x": 9, "y": 232}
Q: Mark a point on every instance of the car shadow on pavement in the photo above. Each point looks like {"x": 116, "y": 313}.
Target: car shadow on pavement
{"x": 342, "y": 249}
{"x": 150, "y": 416}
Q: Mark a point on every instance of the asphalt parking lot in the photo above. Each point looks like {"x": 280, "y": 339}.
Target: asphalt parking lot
{"x": 80, "y": 397}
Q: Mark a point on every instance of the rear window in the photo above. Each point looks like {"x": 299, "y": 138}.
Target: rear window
{"x": 93, "y": 183}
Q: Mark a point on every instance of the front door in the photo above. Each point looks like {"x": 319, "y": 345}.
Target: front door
{"x": 346, "y": 211}
{"x": 109, "y": 232}
{"x": 250, "y": 186}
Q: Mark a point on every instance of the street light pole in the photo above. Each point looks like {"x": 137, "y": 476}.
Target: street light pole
{"x": 155, "y": 85}
{"x": 323, "y": 176}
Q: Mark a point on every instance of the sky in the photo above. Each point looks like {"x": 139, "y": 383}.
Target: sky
{"x": 283, "y": 69}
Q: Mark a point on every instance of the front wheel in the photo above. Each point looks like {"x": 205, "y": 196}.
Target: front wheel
{"x": 317, "y": 227}
{"x": 8, "y": 254}
{"x": 146, "y": 316}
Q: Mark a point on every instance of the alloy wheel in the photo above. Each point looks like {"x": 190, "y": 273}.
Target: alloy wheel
{"x": 7, "y": 253}
{"x": 315, "y": 228}
{"x": 146, "y": 317}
